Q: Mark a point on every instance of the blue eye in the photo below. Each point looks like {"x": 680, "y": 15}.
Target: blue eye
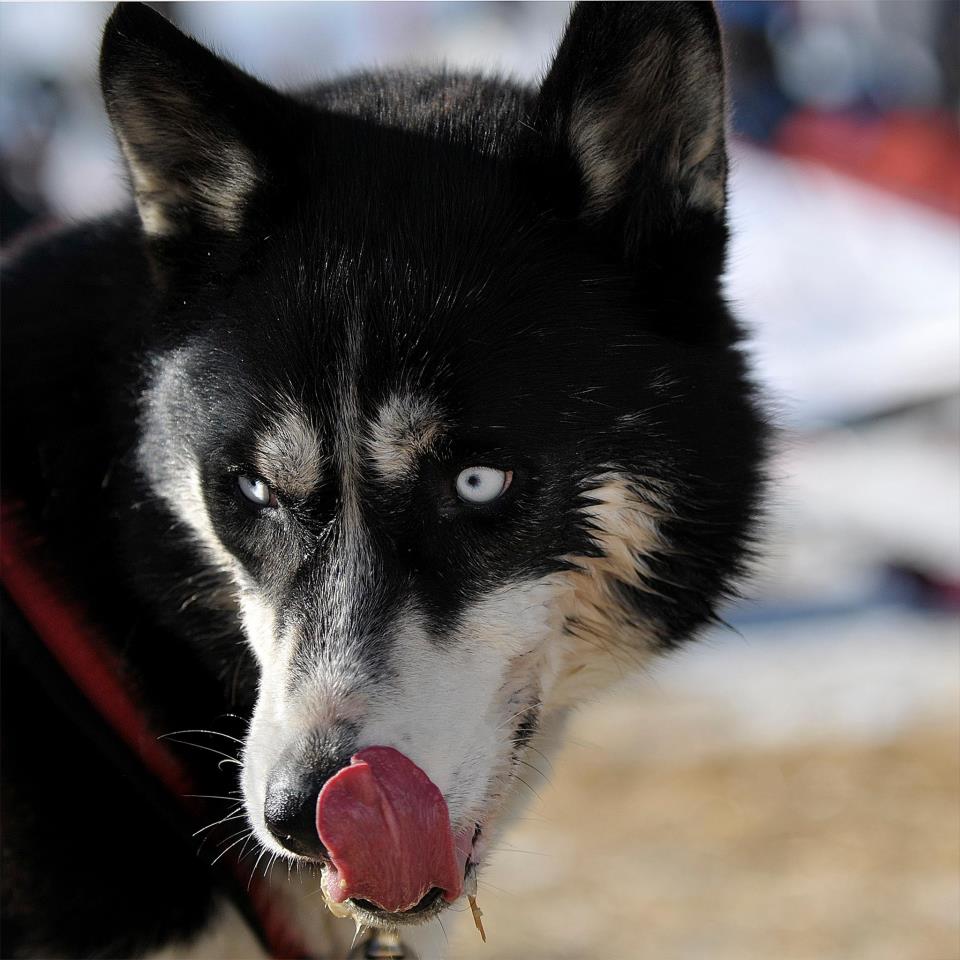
{"x": 257, "y": 491}
{"x": 482, "y": 484}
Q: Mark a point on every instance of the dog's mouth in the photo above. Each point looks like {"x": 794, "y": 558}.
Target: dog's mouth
{"x": 393, "y": 857}
{"x": 371, "y": 914}
{"x": 429, "y": 904}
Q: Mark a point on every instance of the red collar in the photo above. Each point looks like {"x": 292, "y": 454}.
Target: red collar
{"x": 63, "y": 627}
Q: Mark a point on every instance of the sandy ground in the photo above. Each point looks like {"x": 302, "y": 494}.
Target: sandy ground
{"x": 669, "y": 829}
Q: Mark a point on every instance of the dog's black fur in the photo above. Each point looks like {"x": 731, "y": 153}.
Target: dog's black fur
{"x": 446, "y": 221}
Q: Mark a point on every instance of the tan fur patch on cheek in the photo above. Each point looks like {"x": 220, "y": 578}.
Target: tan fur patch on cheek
{"x": 605, "y": 639}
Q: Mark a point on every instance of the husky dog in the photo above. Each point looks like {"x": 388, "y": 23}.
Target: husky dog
{"x": 400, "y": 415}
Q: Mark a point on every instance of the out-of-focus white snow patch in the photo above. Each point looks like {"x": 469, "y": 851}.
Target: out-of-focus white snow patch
{"x": 865, "y": 678}
{"x": 852, "y": 294}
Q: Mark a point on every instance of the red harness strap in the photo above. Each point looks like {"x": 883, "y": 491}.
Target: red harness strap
{"x": 64, "y": 629}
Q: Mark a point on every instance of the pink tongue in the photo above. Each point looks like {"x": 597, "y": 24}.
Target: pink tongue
{"x": 387, "y": 830}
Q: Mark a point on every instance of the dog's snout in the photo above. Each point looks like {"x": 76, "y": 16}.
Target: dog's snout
{"x": 290, "y": 804}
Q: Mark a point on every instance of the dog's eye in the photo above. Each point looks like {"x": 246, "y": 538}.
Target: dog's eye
{"x": 257, "y": 491}
{"x": 482, "y": 484}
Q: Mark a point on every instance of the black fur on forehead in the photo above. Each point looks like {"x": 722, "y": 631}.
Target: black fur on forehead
{"x": 542, "y": 266}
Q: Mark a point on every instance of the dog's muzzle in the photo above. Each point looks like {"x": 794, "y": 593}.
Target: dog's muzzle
{"x": 290, "y": 805}
{"x": 378, "y": 825}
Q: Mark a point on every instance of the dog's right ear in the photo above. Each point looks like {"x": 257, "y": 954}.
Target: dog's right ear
{"x": 634, "y": 105}
{"x": 186, "y": 122}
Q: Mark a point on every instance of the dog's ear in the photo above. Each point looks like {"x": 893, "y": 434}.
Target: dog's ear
{"x": 185, "y": 122}
{"x": 635, "y": 105}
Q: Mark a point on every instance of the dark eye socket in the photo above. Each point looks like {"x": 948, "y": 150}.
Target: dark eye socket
{"x": 256, "y": 491}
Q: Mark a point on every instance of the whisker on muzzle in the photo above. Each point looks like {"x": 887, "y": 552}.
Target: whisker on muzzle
{"x": 212, "y": 733}
{"x": 227, "y": 758}
{"x": 232, "y": 815}
{"x": 227, "y": 850}
{"x": 519, "y": 713}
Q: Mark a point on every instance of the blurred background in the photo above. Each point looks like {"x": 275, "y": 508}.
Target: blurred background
{"x": 789, "y": 787}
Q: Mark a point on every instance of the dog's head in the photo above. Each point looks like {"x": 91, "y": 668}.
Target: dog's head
{"x": 444, "y": 388}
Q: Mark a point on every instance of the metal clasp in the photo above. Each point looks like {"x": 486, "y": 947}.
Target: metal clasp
{"x": 381, "y": 945}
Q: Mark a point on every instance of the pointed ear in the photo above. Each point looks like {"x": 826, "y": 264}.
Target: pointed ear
{"x": 185, "y": 122}
{"x": 635, "y": 103}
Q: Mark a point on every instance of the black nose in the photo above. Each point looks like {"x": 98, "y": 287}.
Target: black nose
{"x": 290, "y": 807}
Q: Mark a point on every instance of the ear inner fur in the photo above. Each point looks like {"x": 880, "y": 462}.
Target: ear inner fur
{"x": 171, "y": 103}
{"x": 636, "y": 98}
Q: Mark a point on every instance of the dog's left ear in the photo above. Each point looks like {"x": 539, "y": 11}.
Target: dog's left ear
{"x": 192, "y": 127}
{"x": 635, "y": 104}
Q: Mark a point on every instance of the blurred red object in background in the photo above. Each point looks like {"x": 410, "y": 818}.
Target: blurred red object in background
{"x": 914, "y": 155}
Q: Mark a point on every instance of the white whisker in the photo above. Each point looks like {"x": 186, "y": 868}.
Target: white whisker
{"x": 213, "y": 733}
{"x": 201, "y": 746}
{"x": 219, "y": 855}
{"x": 232, "y": 815}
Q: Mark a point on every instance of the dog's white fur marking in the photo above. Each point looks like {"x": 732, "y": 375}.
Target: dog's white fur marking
{"x": 259, "y": 623}
{"x": 404, "y": 429}
{"x": 448, "y": 705}
{"x": 191, "y": 507}
{"x": 167, "y": 460}
{"x": 453, "y": 700}
{"x": 288, "y": 454}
